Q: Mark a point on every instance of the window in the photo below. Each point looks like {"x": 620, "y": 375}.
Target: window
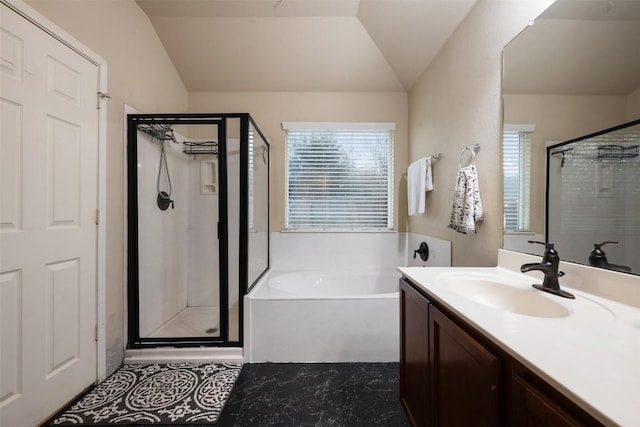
{"x": 516, "y": 162}
{"x": 339, "y": 176}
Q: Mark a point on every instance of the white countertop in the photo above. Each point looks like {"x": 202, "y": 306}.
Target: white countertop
{"x": 592, "y": 355}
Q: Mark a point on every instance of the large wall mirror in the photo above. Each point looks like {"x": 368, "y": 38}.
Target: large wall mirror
{"x": 574, "y": 72}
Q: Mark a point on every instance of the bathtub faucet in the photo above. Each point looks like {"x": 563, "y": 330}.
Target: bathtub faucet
{"x": 549, "y": 266}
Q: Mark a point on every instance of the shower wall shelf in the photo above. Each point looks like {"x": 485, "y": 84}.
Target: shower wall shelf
{"x": 620, "y": 152}
{"x": 192, "y": 148}
{"x": 163, "y": 132}
{"x": 158, "y": 131}
{"x": 208, "y": 177}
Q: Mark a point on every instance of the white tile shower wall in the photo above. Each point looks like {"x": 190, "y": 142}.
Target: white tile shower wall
{"x": 163, "y": 268}
{"x": 203, "y": 248}
{"x": 204, "y": 260}
{"x": 378, "y": 251}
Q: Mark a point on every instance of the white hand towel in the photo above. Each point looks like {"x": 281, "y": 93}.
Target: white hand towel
{"x": 419, "y": 181}
{"x": 467, "y": 204}
{"x": 428, "y": 180}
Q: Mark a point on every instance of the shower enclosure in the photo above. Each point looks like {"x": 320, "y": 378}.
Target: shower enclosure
{"x": 198, "y": 226}
{"x": 593, "y": 197}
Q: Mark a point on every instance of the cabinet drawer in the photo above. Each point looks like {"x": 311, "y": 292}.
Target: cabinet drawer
{"x": 530, "y": 407}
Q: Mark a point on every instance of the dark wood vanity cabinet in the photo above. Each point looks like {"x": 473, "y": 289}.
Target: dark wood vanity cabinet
{"x": 447, "y": 378}
{"x": 465, "y": 376}
{"x": 414, "y": 355}
{"x": 451, "y": 375}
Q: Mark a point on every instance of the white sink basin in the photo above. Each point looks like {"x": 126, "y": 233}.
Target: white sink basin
{"x": 515, "y": 297}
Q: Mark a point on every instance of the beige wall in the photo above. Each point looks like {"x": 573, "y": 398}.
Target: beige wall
{"x": 559, "y": 118}
{"x": 457, "y": 102}
{"x": 269, "y": 110}
{"x": 139, "y": 74}
{"x": 633, "y": 105}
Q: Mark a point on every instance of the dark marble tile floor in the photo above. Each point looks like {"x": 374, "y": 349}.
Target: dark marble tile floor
{"x": 316, "y": 394}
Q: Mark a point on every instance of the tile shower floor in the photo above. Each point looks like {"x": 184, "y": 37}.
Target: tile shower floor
{"x": 197, "y": 322}
{"x": 317, "y": 394}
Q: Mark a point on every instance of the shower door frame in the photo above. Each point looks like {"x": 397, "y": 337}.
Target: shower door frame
{"x": 134, "y": 340}
{"x": 245, "y": 286}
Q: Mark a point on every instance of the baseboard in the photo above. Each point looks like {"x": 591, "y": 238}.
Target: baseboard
{"x": 177, "y": 355}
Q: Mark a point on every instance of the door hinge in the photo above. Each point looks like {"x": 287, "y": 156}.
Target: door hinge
{"x": 97, "y": 216}
{"x": 96, "y": 336}
{"x": 101, "y": 96}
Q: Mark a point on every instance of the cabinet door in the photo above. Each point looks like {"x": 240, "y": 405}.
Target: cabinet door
{"x": 530, "y": 407}
{"x": 465, "y": 376}
{"x": 414, "y": 355}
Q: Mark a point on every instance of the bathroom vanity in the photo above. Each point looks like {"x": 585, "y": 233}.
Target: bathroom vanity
{"x": 480, "y": 346}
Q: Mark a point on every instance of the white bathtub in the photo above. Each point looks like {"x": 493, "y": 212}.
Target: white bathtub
{"x": 333, "y": 316}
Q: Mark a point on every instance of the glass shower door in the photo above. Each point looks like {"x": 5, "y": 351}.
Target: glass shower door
{"x": 258, "y": 206}
{"x": 175, "y": 214}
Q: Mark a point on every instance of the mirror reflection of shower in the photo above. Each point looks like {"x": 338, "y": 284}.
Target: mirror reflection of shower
{"x": 593, "y": 198}
{"x": 187, "y": 272}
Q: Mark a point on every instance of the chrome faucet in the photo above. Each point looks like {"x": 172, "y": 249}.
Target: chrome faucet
{"x": 549, "y": 266}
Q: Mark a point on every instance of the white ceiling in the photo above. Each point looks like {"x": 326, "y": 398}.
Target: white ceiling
{"x": 303, "y": 45}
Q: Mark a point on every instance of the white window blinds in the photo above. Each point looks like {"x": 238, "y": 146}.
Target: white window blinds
{"x": 516, "y": 162}
{"x": 339, "y": 176}
{"x": 251, "y": 177}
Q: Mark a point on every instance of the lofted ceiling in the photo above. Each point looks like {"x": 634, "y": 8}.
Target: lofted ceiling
{"x": 303, "y": 45}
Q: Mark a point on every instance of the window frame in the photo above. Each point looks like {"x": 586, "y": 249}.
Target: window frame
{"x": 337, "y": 127}
{"x": 524, "y": 133}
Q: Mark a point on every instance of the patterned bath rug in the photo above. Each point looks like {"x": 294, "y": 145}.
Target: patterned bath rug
{"x": 177, "y": 393}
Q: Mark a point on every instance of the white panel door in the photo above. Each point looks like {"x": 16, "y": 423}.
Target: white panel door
{"x": 48, "y": 232}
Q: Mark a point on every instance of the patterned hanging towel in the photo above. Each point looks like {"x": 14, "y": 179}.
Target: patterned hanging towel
{"x": 467, "y": 205}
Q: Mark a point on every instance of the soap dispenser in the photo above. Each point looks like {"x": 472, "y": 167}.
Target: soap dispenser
{"x": 598, "y": 258}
